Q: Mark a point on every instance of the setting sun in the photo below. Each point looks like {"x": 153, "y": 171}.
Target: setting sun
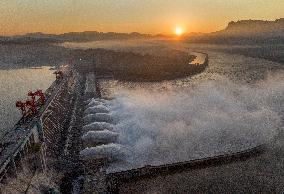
{"x": 179, "y": 31}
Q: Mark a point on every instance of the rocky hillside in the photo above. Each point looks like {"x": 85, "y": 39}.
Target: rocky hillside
{"x": 256, "y": 26}
{"x": 245, "y": 32}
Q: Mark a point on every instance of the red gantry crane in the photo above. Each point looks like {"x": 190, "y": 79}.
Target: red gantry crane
{"x": 38, "y": 93}
{"x": 22, "y": 106}
{"x": 31, "y": 106}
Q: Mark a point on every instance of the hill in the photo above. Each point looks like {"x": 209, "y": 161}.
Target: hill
{"x": 245, "y": 32}
{"x": 256, "y": 27}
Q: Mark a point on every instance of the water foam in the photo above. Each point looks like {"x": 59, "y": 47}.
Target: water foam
{"x": 100, "y": 117}
{"x": 108, "y": 151}
{"x": 96, "y": 137}
{"x": 97, "y": 109}
{"x": 98, "y": 126}
{"x": 212, "y": 118}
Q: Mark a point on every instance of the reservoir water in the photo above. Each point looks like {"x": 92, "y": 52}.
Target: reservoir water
{"x": 14, "y": 86}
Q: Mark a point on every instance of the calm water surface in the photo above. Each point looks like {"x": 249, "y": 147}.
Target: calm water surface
{"x": 14, "y": 85}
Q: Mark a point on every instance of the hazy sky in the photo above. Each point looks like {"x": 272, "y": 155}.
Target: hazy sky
{"x": 147, "y": 16}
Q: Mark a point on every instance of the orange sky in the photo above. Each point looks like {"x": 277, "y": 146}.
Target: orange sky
{"x": 146, "y": 16}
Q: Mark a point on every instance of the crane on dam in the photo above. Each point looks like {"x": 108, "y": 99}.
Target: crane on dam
{"x": 30, "y": 106}
{"x": 22, "y": 106}
{"x": 38, "y": 93}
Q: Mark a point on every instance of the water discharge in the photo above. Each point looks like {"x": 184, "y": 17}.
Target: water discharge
{"x": 110, "y": 151}
{"x": 214, "y": 117}
{"x": 97, "y": 137}
{"x": 100, "y": 117}
{"x": 97, "y": 109}
{"x": 98, "y": 126}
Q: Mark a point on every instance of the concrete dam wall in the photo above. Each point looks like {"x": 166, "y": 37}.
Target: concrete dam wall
{"x": 56, "y": 118}
{"x": 116, "y": 179}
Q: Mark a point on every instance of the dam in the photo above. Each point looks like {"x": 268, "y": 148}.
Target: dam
{"x": 75, "y": 129}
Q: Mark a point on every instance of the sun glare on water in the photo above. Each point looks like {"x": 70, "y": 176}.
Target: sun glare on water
{"x": 179, "y": 31}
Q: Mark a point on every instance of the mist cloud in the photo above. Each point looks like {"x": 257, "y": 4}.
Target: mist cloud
{"x": 213, "y": 118}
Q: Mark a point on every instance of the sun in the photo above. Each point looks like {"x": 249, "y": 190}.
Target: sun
{"x": 179, "y": 31}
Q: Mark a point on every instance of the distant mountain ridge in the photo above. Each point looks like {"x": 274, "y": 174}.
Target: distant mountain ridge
{"x": 244, "y": 32}
{"x": 71, "y": 37}
{"x": 239, "y": 32}
{"x": 256, "y": 26}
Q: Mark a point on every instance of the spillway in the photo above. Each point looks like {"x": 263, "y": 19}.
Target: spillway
{"x": 97, "y": 109}
{"x": 111, "y": 152}
{"x": 92, "y": 138}
{"x": 98, "y": 126}
{"x": 100, "y": 117}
